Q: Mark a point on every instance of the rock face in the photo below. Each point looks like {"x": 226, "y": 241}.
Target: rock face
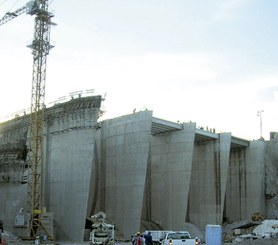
{"x": 271, "y": 179}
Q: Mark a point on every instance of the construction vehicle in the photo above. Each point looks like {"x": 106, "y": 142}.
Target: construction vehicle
{"x": 180, "y": 238}
{"x": 40, "y": 49}
{"x": 102, "y": 233}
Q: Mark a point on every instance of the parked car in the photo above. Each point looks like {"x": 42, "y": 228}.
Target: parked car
{"x": 180, "y": 238}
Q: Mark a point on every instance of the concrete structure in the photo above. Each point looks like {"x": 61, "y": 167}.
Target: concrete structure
{"x": 143, "y": 172}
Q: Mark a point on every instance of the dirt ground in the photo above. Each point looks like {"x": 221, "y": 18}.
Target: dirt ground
{"x": 256, "y": 242}
{"x": 15, "y": 241}
{"x": 249, "y": 242}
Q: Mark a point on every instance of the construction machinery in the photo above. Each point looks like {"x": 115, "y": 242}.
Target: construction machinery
{"x": 40, "y": 49}
{"x": 102, "y": 233}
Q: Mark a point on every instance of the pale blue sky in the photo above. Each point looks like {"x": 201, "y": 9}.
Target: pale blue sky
{"x": 213, "y": 62}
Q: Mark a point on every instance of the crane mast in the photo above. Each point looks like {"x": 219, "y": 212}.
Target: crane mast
{"x": 40, "y": 49}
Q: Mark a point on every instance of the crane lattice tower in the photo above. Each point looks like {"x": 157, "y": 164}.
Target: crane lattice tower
{"x": 40, "y": 49}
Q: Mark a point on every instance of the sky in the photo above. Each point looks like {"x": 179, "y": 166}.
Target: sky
{"x": 212, "y": 62}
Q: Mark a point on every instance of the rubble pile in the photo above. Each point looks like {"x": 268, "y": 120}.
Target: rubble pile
{"x": 241, "y": 231}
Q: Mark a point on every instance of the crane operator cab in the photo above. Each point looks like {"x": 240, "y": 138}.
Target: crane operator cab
{"x": 32, "y": 7}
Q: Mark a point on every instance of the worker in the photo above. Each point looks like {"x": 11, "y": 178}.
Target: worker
{"x": 138, "y": 239}
{"x": 149, "y": 239}
{"x": 143, "y": 242}
{"x": 134, "y": 239}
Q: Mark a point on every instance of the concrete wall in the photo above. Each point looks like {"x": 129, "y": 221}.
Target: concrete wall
{"x": 69, "y": 140}
{"x": 209, "y": 179}
{"x": 171, "y": 164}
{"x": 255, "y": 179}
{"x": 69, "y": 145}
{"x": 13, "y": 192}
{"x": 118, "y": 166}
{"x": 125, "y": 145}
{"x": 12, "y": 198}
{"x": 236, "y": 194}
{"x": 246, "y": 182}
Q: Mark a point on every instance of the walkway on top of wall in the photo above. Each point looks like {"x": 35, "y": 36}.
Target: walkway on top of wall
{"x": 160, "y": 126}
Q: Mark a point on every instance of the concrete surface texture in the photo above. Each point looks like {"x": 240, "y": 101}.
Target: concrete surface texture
{"x": 143, "y": 172}
{"x": 170, "y": 177}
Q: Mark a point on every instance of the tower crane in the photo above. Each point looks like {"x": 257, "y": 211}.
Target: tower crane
{"x": 40, "y": 49}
